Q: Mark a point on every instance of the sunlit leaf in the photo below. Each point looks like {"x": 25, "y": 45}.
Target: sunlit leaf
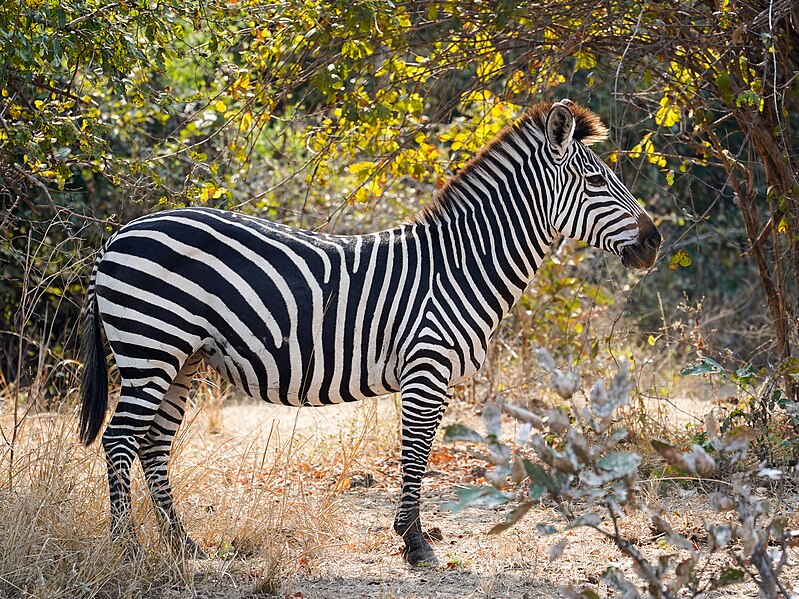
{"x": 669, "y": 113}
{"x": 680, "y": 258}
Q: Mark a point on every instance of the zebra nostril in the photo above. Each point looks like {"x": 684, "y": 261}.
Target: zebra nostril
{"x": 651, "y": 240}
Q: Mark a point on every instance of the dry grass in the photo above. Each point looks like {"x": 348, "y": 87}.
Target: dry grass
{"x": 52, "y": 524}
{"x": 243, "y": 496}
{"x": 276, "y": 496}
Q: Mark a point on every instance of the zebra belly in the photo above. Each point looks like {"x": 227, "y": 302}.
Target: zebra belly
{"x": 309, "y": 391}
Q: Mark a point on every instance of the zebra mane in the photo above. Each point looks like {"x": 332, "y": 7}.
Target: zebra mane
{"x": 588, "y": 129}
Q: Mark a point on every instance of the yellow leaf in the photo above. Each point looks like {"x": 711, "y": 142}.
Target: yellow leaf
{"x": 681, "y": 258}
{"x": 643, "y": 147}
{"x": 651, "y": 340}
{"x": 668, "y": 114}
{"x": 490, "y": 67}
{"x": 429, "y": 151}
{"x": 246, "y": 120}
{"x": 584, "y": 60}
{"x": 361, "y": 167}
{"x": 220, "y": 106}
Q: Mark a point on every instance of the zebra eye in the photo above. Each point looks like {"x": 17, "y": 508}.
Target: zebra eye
{"x": 596, "y": 180}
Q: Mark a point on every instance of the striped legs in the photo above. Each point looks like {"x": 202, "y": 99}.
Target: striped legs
{"x": 139, "y": 404}
{"x": 425, "y": 396}
{"x": 154, "y": 455}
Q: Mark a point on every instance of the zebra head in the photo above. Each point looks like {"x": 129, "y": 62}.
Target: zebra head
{"x": 592, "y": 205}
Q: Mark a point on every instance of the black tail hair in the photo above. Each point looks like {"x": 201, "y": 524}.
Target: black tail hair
{"x": 94, "y": 383}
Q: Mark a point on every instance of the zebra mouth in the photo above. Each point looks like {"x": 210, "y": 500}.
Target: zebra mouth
{"x": 644, "y": 252}
{"x": 634, "y": 257}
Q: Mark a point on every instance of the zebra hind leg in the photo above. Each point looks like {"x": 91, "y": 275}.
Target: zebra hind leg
{"x": 135, "y": 411}
{"x": 154, "y": 455}
{"x": 423, "y": 404}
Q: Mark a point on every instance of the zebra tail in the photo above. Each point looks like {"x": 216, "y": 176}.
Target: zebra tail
{"x": 94, "y": 383}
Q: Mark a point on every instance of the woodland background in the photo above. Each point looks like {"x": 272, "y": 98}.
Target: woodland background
{"x": 344, "y": 116}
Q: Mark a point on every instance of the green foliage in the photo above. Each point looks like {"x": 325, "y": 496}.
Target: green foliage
{"x": 763, "y": 408}
{"x": 320, "y": 112}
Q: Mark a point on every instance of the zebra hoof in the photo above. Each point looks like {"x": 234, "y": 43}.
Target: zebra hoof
{"x": 417, "y": 551}
{"x": 191, "y": 549}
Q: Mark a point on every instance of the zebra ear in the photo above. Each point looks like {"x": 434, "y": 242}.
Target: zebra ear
{"x": 560, "y": 127}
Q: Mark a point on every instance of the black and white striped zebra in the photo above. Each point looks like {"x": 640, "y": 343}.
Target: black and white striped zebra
{"x": 307, "y": 319}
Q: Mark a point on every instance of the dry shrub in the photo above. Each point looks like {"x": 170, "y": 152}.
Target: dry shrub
{"x": 53, "y": 530}
{"x": 259, "y": 524}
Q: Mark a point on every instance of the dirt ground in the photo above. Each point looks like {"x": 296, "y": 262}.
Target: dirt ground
{"x": 299, "y": 504}
{"x": 348, "y": 455}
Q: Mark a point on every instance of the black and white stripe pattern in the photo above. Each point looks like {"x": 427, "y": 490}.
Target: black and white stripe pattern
{"x": 307, "y": 319}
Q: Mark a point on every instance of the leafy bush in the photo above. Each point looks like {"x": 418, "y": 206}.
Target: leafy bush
{"x": 573, "y": 461}
{"x": 763, "y": 405}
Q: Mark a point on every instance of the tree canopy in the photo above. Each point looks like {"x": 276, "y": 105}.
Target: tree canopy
{"x": 327, "y": 113}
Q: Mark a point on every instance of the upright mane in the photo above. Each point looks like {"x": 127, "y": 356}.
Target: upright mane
{"x": 588, "y": 129}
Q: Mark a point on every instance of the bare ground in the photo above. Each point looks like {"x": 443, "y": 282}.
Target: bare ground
{"x": 360, "y": 556}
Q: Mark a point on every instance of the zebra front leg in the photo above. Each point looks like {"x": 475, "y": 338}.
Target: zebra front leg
{"x": 424, "y": 399}
{"x": 154, "y": 455}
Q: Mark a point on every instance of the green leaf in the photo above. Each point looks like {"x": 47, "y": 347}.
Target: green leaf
{"x": 747, "y": 97}
{"x": 584, "y": 594}
{"x": 536, "y": 491}
{"x": 614, "y": 578}
{"x": 477, "y": 496}
{"x": 539, "y": 476}
{"x": 460, "y": 432}
{"x": 729, "y": 576}
{"x": 704, "y": 366}
{"x": 592, "y": 520}
{"x": 545, "y": 529}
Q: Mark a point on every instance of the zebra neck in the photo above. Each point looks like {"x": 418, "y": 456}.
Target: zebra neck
{"x": 493, "y": 240}
{"x": 495, "y": 214}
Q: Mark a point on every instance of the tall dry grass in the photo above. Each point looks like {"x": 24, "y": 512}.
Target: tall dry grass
{"x": 242, "y": 497}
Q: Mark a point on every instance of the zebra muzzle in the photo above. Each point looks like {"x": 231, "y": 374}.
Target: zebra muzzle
{"x": 644, "y": 252}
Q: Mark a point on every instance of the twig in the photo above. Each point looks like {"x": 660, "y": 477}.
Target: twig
{"x": 77, "y": 21}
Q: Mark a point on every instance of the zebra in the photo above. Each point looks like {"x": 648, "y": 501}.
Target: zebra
{"x": 303, "y": 318}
